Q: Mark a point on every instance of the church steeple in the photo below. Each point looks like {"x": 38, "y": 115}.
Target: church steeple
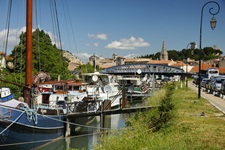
{"x": 164, "y": 53}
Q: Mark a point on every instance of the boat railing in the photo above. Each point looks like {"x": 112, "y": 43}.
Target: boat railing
{"x": 50, "y": 106}
{"x": 94, "y": 91}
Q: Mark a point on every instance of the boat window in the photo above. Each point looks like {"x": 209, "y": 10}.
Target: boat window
{"x": 76, "y": 88}
{"x": 104, "y": 79}
{"x": 213, "y": 72}
{"x": 88, "y": 79}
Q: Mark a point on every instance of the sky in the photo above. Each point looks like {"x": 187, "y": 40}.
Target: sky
{"x": 129, "y": 28}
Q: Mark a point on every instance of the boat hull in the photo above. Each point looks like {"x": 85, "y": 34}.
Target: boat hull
{"x": 19, "y": 130}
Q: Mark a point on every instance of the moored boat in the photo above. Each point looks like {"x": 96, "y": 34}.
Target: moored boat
{"x": 102, "y": 87}
{"x": 25, "y": 127}
{"x": 22, "y": 123}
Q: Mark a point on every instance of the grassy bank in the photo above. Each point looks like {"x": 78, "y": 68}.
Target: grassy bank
{"x": 181, "y": 122}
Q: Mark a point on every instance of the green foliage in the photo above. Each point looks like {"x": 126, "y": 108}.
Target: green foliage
{"x": 187, "y": 130}
{"x": 152, "y": 56}
{"x": 88, "y": 68}
{"x": 164, "y": 111}
{"x": 13, "y": 78}
{"x": 46, "y": 57}
{"x": 137, "y": 135}
{"x": 206, "y": 53}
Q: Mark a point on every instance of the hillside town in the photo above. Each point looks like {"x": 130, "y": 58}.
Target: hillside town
{"x": 188, "y": 65}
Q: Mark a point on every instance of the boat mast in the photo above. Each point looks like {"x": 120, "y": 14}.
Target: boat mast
{"x": 27, "y": 94}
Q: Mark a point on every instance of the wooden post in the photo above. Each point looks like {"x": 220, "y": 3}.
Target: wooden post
{"x": 102, "y": 117}
{"x": 105, "y": 104}
{"x": 67, "y": 127}
{"x": 67, "y": 122}
{"x": 123, "y": 96}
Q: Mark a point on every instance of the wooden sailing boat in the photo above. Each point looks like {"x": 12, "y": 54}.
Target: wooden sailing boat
{"x": 20, "y": 124}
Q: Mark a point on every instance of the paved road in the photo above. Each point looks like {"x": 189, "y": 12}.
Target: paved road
{"x": 218, "y": 102}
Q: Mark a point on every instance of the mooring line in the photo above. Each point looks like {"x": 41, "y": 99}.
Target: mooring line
{"x": 76, "y": 123}
{"x": 12, "y": 123}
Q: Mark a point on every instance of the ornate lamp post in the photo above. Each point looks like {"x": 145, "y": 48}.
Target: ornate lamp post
{"x": 213, "y": 25}
{"x": 186, "y": 67}
{"x": 193, "y": 46}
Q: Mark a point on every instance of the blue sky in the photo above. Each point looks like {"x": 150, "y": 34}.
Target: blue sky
{"x": 126, "y": 27}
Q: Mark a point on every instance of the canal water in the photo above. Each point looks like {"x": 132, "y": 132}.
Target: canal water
{"x": 89, "y": 135}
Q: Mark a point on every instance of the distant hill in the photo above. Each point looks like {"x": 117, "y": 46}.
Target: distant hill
{"x": 73, "y": 61}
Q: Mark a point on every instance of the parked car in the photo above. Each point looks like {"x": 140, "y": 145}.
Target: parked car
{"x": 210, "y": 85}
{"x": 222, "y": 90}
{"x": 207, "y": 86}
{"x": 204, "y": 82}
{"x": 195, "y": 80}
{"x": 216, "y": 84}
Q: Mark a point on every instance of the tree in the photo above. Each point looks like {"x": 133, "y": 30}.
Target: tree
{"x": 46, "y": 57}
{"x": 86, "y": 68}
{"x": 206, "y": 53}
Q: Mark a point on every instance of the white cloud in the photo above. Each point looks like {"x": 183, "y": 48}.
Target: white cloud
{"x": 54, "y": 39}
{"x": 96, "y": 44}
{"x": 128, "y": 44}
{"x": 13, "y": 38}
{"x": 101, "y": 36}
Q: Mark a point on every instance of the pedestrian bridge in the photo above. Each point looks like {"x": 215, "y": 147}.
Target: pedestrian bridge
{"x": 144, "y": 69}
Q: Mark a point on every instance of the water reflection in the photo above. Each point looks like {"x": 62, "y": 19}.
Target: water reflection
{"x": 87, "y": 137}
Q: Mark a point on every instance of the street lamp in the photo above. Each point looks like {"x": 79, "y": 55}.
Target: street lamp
{"x": 187, "y": 66}
{"x": 213, "y": 25}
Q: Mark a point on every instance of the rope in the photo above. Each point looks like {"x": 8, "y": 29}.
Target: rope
{"x": 76, "y": 123}
{"x": 38, "y": 38}
{"x": 40, "y": 141}
{"x": 31, "y": 115}
{"x": 76, "y": 136}
{"x": 71, "y": 26}
{"x": 60, "y": 42}
{"x": 7, "y": 27}
{"x": 12, "y": 123}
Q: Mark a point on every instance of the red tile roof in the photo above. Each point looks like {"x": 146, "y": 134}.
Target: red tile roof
{"x": 221, "y": 70}
{"x": 105, "y": 66}
{"x": 203, "y": 67}
{"x": 137, "y": 60}
{"x": 165, "y": 62}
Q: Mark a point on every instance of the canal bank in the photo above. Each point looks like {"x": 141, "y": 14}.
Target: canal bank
{"x": 187, "y": 129}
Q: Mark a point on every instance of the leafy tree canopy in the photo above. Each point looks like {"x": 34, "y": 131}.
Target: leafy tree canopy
{"x": 46, "y": 57}
{"x": 206, "y": 54}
